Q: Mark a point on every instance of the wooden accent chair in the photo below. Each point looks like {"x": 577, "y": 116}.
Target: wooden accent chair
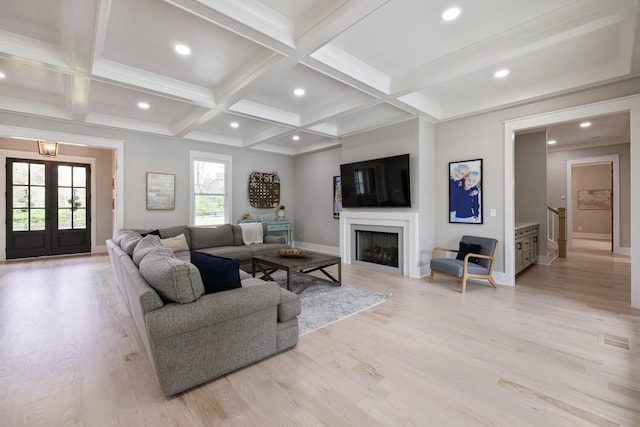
{"x": 475, "y": 259}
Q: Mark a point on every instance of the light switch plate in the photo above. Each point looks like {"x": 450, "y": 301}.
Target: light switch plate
{"x": 492, "y": 212}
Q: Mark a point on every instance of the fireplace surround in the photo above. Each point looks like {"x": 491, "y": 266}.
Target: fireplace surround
{"x": 406, "y": 222}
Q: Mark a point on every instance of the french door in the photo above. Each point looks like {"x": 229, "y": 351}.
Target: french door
{"x": 48, "y": 209}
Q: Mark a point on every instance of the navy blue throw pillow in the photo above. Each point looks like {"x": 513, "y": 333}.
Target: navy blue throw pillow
{"x": 466, "y": 248}
{"x": 154, "y": 232}
{"x": 218, "y": 273}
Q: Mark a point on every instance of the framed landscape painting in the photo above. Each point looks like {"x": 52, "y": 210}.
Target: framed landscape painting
{"x": 161, "y": 191}
{"x": 594, "y": 199}
{"x": 465, "y": 191}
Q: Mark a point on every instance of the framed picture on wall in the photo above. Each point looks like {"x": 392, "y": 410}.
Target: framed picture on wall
{"x": 465, "y": 191}
{"x": 161, "y": 191}
{"x": 337, "y": 197}
{"x": 594, "y": 199}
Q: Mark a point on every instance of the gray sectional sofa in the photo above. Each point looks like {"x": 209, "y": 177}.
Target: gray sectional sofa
{"x": 192, "y": 337}
{"x": 225, "y": 240}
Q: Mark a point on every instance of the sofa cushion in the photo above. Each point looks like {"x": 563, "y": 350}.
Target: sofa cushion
{"x": 118, "y": 235}
{"x": 165, "y": 233}
{"x": 173, "y": 279}
{"x": 129, "y": 241}
{"x": 209, "y": 237}
{"x": 218, "y": 273}
{"x": 176, "y": 244}
{"x": 146, "y": 245}
{"x": 467, "y": 248}
{"x": 237, "y": 235}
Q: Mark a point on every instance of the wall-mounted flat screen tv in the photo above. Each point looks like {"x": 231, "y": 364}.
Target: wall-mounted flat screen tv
{"x": 376, "y": 183}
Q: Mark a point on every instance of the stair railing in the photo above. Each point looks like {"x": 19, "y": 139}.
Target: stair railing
{"x": 557, "y": 229}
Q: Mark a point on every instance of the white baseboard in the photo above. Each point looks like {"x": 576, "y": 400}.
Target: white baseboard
{"x": 332, "y": 250}
{"x": 99, "y": 249}
{"x": 624, "y": 251}
{"x": 594, "y": 236}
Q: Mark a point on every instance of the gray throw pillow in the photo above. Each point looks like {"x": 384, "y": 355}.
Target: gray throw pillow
{"x": 118, "y": 235}
{"x": 146, "y": 245}
{"x": 129, "y": 241}
{"x": 173, "y": 279}
{"x": 209, "y": 237}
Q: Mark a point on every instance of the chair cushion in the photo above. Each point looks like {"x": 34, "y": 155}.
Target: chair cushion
{"x": 467, "y": 248}
{"x": 218, "y": 273}
{"x": 455, "y": 267}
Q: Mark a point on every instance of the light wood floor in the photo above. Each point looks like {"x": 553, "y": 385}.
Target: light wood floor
{"x": 558, "y": 349}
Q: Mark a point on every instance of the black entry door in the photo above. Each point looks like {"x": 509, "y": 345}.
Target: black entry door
{"x": 48, "y": 209}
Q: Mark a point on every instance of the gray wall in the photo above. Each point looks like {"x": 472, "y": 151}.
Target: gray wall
{"x": 530, "y": 164}
{"x": 313, "y": 194}
{"x": 482, "y": 136}
{"x": 315, "y": 226}
{"x": 557, "y": 189}
{"x": 314, "y": 174}
{"x": 174, "y": 158}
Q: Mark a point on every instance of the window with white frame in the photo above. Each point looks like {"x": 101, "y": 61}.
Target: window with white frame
{"x": 210, "y": 184}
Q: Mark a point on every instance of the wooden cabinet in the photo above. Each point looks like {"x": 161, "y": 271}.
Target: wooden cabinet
{"x": 526, "y": 239}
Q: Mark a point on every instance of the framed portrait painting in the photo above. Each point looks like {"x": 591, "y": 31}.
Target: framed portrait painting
{"x": 465, "y": 191}
{"x": 337, "y": 197}
{"x": 161, "y": 189}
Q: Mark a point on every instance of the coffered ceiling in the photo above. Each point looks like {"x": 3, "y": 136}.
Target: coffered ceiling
{"x": 363, "y": 64}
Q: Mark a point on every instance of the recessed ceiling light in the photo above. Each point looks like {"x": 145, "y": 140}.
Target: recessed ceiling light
{"x": 182, "y": 49}
{"x": 2, "y": 75}
{"x": 143, "y": 105}
{"x": 295, "y": 138}
{"x": 501, "y": 73}
{"x": 551, "y": 141}
{"x": 451, "y": 14}
{"x": 299, "y": 92}
{"x": 234, "y": 125}
{"x": 585, "y": 124}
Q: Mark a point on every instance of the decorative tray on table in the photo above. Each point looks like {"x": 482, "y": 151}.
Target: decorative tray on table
{"x": 292, "y": 252}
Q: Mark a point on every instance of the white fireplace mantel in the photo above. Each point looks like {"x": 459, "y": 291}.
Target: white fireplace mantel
{"x": 408, "y": 221}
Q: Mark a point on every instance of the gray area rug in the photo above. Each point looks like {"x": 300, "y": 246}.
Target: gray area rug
{"x": 323, "y": 304}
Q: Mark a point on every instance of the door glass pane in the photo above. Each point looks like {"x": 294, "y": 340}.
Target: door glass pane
{"x": 37, "y": 219}
{"x": 64, "y": 176}
{"x": 64, "y": 219}
{"x": 20, "y": 173}
{"x": 20, "y": 196}
{"x": 64, "y": 197}
{"x": 79, "y": 177}
{"x": 20, "y": 220}
{"x": 37, "y": 174}
{"x": 79, "y": 197}
{"x": 79, "y": 219}
{"x": 37, "y": 197}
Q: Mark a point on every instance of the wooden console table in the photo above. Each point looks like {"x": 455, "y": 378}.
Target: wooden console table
{"x": 278, "y": 227}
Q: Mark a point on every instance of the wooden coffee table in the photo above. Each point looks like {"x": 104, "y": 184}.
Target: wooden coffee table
{"x": 269, "y": 263}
